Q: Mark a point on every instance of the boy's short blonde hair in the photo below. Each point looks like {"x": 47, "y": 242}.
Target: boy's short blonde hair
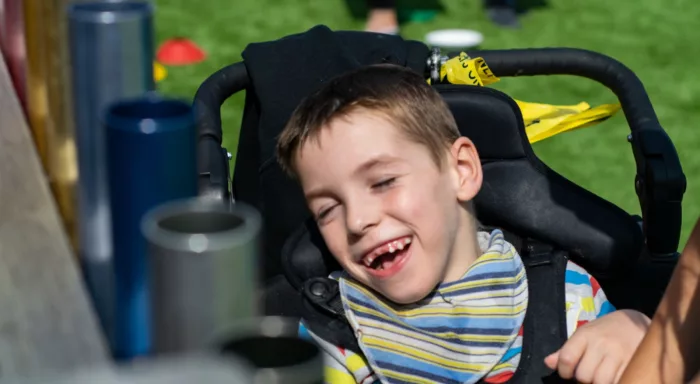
{"x": 400, "y": 94}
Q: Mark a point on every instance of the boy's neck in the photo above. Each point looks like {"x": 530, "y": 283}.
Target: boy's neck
{"x": 465, "y": 251}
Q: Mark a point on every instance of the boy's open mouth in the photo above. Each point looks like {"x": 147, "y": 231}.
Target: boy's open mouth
{"x": 388, "y": 255}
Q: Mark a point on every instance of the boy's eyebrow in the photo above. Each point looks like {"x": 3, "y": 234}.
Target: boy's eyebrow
{"x": 375, "y": 162}
{"x": 315, "y": 193}
{"x": 362, "y": 168}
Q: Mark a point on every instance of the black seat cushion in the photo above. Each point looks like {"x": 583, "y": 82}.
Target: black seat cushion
{"x": 522, "y": 194}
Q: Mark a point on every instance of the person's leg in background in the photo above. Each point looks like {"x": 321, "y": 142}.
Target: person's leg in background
{"x": 382, "y": 17}
{"x": 502, "y": 12}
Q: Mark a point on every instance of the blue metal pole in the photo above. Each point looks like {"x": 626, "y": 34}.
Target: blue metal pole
{"x": 151, "y": 156}
{"x": 111, "y": 54}
{"x": 151, "y": 145}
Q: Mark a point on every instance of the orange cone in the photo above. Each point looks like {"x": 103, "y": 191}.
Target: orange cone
{"x": 180, "y": 51}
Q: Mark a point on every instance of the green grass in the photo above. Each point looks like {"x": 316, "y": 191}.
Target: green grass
{"x": 656, "y": 39}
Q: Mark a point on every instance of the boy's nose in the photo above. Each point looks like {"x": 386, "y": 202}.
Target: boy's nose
{"x": 360, "y": 218}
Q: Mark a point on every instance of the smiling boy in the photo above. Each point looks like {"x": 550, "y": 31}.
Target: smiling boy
{"x": 390, "y": 182}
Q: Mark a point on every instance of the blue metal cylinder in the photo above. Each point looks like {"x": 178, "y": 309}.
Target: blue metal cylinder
{"x": 151, "y": 156}
{"x": 111, "y": 53}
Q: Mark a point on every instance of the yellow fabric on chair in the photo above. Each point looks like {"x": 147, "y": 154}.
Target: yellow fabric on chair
{"x": 541, "y": 120}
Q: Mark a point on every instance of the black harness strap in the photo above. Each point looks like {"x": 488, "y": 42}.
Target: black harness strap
{"x": 323, "y": 313}
{"x": 545, "y": 328}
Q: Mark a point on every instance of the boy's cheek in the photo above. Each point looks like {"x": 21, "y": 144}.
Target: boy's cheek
{"x": 336, "y": 243}
{"x": 412, "y": 205}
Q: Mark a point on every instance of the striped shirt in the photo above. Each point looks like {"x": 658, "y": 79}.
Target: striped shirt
{"x": 465, "y": 331}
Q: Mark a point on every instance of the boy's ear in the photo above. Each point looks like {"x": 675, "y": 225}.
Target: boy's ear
{"x": 467, "y": 168}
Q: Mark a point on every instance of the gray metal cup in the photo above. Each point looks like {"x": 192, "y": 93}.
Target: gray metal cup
{"x": 274, "y": 349}
{"x": 203, "y": 270}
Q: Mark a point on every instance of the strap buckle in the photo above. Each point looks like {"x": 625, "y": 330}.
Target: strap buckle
{"x": 324, "y": 293}
{"x": 434, "y": 63}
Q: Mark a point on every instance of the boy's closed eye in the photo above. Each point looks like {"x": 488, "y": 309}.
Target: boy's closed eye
{"x": 323, "y": 213}
{"x": 384, "y": 184}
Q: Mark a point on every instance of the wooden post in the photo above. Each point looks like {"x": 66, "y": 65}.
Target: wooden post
{"x": 46, "y": 321}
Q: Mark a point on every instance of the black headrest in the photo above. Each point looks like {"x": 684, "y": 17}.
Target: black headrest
{"x": 281, "y": 73}
{"x": 519, "y": 193}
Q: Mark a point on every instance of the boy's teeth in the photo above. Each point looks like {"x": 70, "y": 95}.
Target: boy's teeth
{"x": 393, "y": 247}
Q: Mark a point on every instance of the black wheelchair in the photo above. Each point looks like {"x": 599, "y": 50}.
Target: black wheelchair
{"x": 632, "y": 257}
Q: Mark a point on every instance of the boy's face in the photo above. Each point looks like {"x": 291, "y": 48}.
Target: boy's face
{"x": 393, "y": 219}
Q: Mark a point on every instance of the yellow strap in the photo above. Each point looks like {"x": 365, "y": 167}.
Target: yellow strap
{"x": 541, "y": 120}
{"x": 550, "y": 127}
{"x": 467, "y": 71}
{"x": 534, "y": 111}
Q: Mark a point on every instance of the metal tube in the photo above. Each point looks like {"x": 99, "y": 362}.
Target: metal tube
{"x": 272, "y": 346}
{"x": 48, "y": 102}
{"x": 111, "y": 53}
{"x": 151, "y": 160}
{"x": 204, "y": 270}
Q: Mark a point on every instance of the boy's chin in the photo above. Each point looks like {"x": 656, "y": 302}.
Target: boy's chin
{"x": 402, "y": 296}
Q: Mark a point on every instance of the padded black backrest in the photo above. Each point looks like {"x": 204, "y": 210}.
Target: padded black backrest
{"x": 519, "y": 193}
{"x": 266, "y": 187}
{"x": 522, "y": 194}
